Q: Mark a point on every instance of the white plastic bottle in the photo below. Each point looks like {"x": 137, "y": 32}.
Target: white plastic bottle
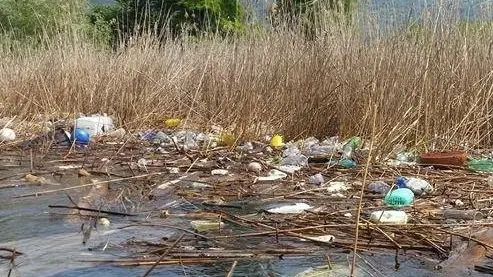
{"x": 389, "y": 217}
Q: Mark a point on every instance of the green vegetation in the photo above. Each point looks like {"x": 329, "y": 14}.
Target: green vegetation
{"x": 35, "y": 22}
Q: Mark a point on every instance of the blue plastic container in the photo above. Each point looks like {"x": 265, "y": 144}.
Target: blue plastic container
{"x": 400, "y": 197}
{"x": 81, "y": 136}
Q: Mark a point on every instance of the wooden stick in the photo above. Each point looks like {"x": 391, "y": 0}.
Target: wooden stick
{"x": 91, "y": 210}
{"x": 89, "y": 185}
{"x": 11, "y": 250}
{"x": 230, "y": 273}
{"x": 466, "y": 237}
{"x": 385, "y": 235}
{"x": 163, "y": 255}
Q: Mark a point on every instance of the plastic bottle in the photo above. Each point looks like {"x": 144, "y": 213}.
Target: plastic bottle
{"x": 484, "y": 165}
{"x": 327, "y": 147}
{"x": 95, "y": 124}
{"x": 347, "y": 163}
{"x": 292, "y": 156}
{"x": 299, "y": 160}
{"x": 348, "y": 148}
{"x": 389, "y": 217}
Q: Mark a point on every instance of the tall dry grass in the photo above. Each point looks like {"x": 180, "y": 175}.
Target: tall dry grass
{"x": 428, "y": 86}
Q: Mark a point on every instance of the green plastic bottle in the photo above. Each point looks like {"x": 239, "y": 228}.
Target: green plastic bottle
{"x": 484, "y": 165}
{"x": 348, "y": 148}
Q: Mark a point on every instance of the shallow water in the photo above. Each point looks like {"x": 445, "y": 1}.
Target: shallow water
{"x": 53, "y": 247}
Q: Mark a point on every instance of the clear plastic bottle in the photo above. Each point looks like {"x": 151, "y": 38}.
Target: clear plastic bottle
{"x": 351, "y": 144}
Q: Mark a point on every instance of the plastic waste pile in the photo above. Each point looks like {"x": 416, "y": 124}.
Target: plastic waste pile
{"x": 329, "y": 151}
{"x": 406, "y": 189}
{"x": 293, "y": 156}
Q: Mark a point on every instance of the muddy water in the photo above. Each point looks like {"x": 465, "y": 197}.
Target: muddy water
{"x": 53, "y": 247}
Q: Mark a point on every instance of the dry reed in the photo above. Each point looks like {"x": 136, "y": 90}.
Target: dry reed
{"x": 430, "y": 87}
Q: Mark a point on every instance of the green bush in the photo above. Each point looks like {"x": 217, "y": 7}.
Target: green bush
{"x": 193, "y": 17}
{"x": 35, "y": 21}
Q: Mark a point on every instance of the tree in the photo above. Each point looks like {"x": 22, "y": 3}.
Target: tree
{"x": 162, "y": 17}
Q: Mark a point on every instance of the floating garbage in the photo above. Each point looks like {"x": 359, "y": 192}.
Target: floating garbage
{"x": 389, "y": 217}
{"x": 458, "y": 203}
{"x": 334, "y": 270}
{"x": 81, "y": 136}
{"x": 219, "y": 172}
{"x": 273, "y": 175}
{"x": 173, "y": 170}
{"x": 103, "y": 221}
{"x": 444, "y": 159}
{"x": 417, "y": 185}
{"x": 160, "y": 138}
{"x": 400, "y": 197}
{"x": 347, "y": 163}
{"x": 290, "y": 209}
{"x": 172, "y": 122}
{"x": 324, "y": 238}
{"x": 117, "y": 134}
{"x": 292, "y": 156}
{"x": 206, "y": 225}
{"x": 316, "y": 179}
{"x": 247, "y": 147}
{"x": 405, "y": 157}
{"x": 277, "y": 141}
{"x": 288, "y": 168}
{"x": 7, "y": 134}
{"x": 335, "y": 187}
{"x": 95, "y": 125}
{"x": 254, "y": 167}
{"x": 463, "y": 214}
{"x": 198, "y": 185}
{"x": 33, "y": 179}
{"x": 350, "y": 146}
{"x": 483, "y": 165}
{"x": 142, "y": 163}
{"x": 83, "y": 173}
{"x": 329, "y": 146}
{"x": 379, "y": 187}
{"x": 227, "y": 139}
